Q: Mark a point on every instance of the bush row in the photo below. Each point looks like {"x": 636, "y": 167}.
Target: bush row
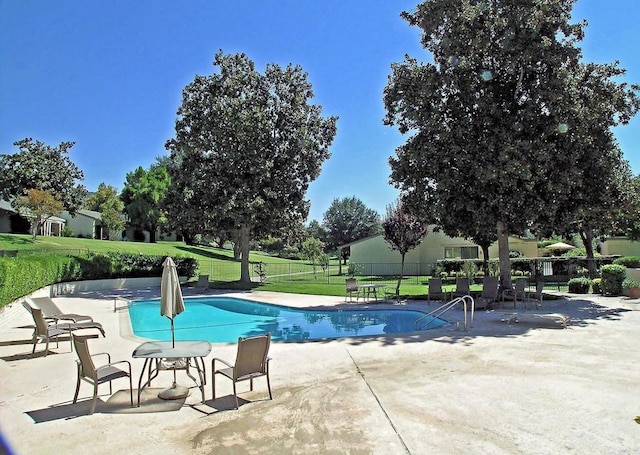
{"x": 24, "y": 274}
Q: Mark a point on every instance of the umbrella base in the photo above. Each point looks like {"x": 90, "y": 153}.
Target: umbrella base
{"x": 175, "y": 392}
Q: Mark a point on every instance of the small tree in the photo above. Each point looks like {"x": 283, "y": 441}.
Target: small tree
{"x": 313, "y": 250}
{"x": 403, "y": 232}
{"x": 106, "y": 201}
{"x": 38, "y": 205}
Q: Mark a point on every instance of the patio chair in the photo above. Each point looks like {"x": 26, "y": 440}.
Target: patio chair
{"x": 203, "y": 282}
{"x": 489, "y": 293}
{"x": 47, "y": 331}
{"x": 517, "y": 292}
{"x": 462, "y": 288}
{"x": 87, "y": 371}
{"x": 51, "y": 311}
{"x": 251, "y": 362}
{"x": 352, "y": 289}
{"x": 435, "y": 290}
{"x": 535, "y": 296}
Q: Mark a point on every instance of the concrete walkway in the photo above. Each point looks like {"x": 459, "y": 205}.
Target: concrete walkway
{"x": 529, "y": 387}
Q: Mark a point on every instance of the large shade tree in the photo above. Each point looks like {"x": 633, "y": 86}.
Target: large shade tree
{"x": 143, "y": 195}
{"x": 246, "y": 147}
{"x": 490, "y": 115}
{"x": 602, "y": 183}
{"x": 39, "y": 166}
{"x": 346, "y": 220}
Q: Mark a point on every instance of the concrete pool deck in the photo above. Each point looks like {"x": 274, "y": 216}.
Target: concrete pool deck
{"x": 529, "y": 387}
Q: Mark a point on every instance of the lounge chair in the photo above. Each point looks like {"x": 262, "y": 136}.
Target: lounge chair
{"x": 435, "y": 290}
{"x": 87, "y": 370}
{"x": 462, "y": 288}
{"x": 352, "y": 289}
{"x": 489, "y": 293}
{"x": 251, "y": 362}
{"x": 51, "y": 311}
{"x": 47, "y": 331}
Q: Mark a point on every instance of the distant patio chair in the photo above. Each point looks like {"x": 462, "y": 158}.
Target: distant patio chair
{"x": 203, "y": 282}
{"x": 462, "y": 288}
{"x": 87, "y": 371}
{"x": 252, "y": 361}
{"x": 517, "y": 292}
{"x": 536, "y": 296}
{"x": 352, "y": 289}
{"x": 489, "y": 293}
{"x": 435, "y": 290}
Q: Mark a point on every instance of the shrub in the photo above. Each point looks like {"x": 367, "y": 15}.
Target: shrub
{"x": 579, "y": 285}
{"x": 632, "y": 262}
{"x": 612, "y": 277}
{"x": 629, "y": 283}
{"x": 596, "y": 285}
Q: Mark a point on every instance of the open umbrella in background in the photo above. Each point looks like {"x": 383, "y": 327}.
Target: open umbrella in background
{"x": 560, "y": 246}
{"x": 171, "y": 305}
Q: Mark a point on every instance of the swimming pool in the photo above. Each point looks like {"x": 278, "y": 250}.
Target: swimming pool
{"x": 224, "y": 319}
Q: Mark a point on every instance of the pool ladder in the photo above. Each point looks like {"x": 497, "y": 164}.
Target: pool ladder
{"x": 467, "y": 301}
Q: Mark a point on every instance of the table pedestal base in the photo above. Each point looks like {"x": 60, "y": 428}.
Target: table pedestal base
{"x": 175, "y": 392}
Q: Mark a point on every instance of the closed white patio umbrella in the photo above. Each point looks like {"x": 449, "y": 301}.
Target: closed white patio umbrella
{"x": 171, "y": 305}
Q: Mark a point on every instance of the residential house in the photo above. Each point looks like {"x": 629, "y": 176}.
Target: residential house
{"x": 85, "y": 223}
{"x": 13, "y": 222}
{"x": 374, "y": 255}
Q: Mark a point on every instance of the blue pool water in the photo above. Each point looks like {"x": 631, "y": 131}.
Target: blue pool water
{"x": 224, "y": 319}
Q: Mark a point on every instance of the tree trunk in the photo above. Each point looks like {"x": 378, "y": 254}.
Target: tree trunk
{"x": 586, "y": 235}
{"x": 485, "y": 259}
{"x": 340, "y": 263}
{"x": 503, "y": 254}
{"x": 152, "y": 233}
{"x": 401, "y": 275}
{"x": 243, "y": 240}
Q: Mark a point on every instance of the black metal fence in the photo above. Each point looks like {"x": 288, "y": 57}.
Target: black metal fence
{"x": 548, "y": 269}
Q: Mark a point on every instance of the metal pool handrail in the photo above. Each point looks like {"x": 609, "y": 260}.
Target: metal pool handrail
{"x": 446, "y": 307}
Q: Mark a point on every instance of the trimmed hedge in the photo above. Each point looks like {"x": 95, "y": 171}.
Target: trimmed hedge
{"x": 579, "y": 285}
{"x": 631, "y": 262}
{"x": 612, "y": 276}
{"x": 24, "y": 274}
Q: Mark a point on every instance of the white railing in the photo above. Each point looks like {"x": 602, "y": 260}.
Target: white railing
{"x": 466, "y": 301}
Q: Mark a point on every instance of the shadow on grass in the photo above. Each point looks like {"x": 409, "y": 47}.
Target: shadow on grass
{"x": 10, "y": 238}
{"x": 205, "y": 252}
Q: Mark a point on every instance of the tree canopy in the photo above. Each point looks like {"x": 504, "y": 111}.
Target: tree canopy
{"x": 38, "y": 206}
{"x": 143, "y": 195}
{"x": 492, "y": 118}
{"x": 42, "y": 167}
{"x": 246, "y": 147}
{"x": 403, "y": 231}
{"x": 106, "y": 200}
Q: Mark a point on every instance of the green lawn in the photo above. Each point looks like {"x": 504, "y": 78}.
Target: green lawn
{"x": 283, "y": 275}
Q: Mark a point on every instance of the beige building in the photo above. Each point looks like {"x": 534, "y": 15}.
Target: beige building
{"x": 375, "y": 256}
{"x": 622, "y": 246}
{"x": 85, "y": 223}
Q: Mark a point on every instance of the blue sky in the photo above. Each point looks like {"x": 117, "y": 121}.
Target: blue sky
{"x": 109, "y": 75}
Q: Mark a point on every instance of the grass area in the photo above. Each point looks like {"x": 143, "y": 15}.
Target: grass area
{"x": 284, "y": 275}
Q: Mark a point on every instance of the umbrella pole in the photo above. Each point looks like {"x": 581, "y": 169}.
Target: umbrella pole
{"x": 173, "y": 335}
